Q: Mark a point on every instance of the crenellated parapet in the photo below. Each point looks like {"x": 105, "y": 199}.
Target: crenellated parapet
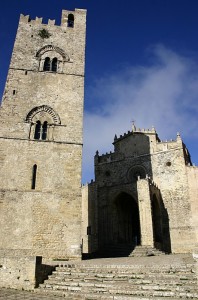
{"x": 107, "y": 157}
{"x": 67, "y": 19}
{"x": 135, "y": 131}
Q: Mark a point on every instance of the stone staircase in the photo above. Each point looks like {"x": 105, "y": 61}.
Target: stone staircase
{"x": 141, "y": 251}
{"x": 87, "y": 280}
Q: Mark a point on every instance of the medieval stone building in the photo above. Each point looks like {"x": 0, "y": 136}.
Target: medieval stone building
{"x": 145, "y": 193}
{"x": 41, "y": 139}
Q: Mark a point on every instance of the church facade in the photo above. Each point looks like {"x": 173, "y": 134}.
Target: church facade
{"x": 145, "y": 193}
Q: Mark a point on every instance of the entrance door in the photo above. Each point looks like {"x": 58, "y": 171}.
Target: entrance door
{"x": 125, "y": 220}
{"x": 157, "y": 223}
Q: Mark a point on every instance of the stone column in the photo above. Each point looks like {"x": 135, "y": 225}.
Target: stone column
{"x": 144, "y": 202}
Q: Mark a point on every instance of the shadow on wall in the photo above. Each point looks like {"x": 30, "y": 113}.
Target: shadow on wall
{"x": 42, "y": 271}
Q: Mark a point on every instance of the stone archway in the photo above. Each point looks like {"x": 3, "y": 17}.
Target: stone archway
{"x": 119, "y": 226}
{"x": 157, "y": 223}
{"x": 125, "y": 220}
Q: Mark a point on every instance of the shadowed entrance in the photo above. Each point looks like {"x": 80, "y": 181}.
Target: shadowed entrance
{"x": 123, "y": 227}
{"x": 126, "y": 226}
{"x": 157, "y": 223}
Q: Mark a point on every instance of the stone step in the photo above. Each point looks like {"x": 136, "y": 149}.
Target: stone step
{"x": 73, "y": 296}
{"x": 125, "y": 271}
{"x": 171, "y": 280}
{"x": 138, "y": 281}
{"x": 124, "y": 267}
{"x": 127, "y": 275}
{"x": 163, "y": 286}
{"x": 141, "y": 251}
{"x": 79, "y": 294}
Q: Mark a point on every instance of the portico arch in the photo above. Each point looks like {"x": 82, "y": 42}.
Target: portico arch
{"x": 157, "y": 223}
{"x": 118, "y": 225}
{"x": 125, "y": 220}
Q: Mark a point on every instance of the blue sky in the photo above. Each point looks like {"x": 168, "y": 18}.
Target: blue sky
{"x": 141, "y": 64}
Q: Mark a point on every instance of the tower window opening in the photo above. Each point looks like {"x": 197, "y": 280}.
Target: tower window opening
{"x": 37, "y": 130}
{"x": 14, "y": 92}
{"x": 70, "y": 22}
{"x": 50, "y": 65}
{"x": 54, "y": 64}
{"x": 40, "y": 131}
{"x": 26, "y": 72}
{"x": 34, "y": 171}
{"x": 44, "y": 131}
{"x": 47, "y": 64}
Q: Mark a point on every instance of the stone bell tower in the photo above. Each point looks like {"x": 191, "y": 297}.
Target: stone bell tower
{"x": 41, "y": 139}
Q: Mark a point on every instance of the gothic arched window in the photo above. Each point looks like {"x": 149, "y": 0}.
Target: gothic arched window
{"x": 37, "y": 132}
{"x": 47, "y": 64}
{"x": 70, "y": 22}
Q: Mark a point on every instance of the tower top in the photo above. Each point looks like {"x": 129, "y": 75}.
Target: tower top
{"x": 67, "y": 19}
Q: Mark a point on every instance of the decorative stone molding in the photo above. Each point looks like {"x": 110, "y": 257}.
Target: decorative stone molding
{"x": 46, "y": 48}
{"x": 43, "y": 108}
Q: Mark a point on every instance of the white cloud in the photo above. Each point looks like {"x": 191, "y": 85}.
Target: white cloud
{"x": 163, "y": 93}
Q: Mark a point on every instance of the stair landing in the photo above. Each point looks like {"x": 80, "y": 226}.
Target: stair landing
{"x": 125, "y": 278}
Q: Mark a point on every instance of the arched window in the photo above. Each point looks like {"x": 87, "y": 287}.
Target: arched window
{"x": 46, "y": 66}
{"x": 34, "y": 170}
{"x": 40, "y": 131}
{"x": 44, "y": 133}
{"x": 41, "y": 121}
{"x": 54, "y": 64}
{"x": 70, "y": 22}
{"x": 37, "y": 132}
{"x": 50, "y": 65}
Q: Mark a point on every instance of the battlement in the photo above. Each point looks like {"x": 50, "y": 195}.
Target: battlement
{"x": 26, "y": 19}
{"x": 107, "y": 157}
{"x": 143, "y": 130}
{"x": 137, "y": 131}
{"x": 67, "y": 19}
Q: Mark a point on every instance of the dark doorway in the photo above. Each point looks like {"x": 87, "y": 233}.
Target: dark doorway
{"x": 157, "y": 223}
{"x": 119, "y": 232}
{"x": 126, "y": 222}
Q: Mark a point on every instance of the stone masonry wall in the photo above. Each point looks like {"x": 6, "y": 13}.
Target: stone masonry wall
{"x": 169, "y": 172}
{"x": 18, "y": 272}
{"x": 43, "y": 218}
{"x": 192, "y": 173}
{"x": 89, "y": 218}
{"x": 141, "y": 153}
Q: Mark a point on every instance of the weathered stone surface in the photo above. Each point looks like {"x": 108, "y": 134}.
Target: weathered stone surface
{"x": 40, "y": 183}
{"x": 145, "y": 193}
{"x": 169, "y": 276}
